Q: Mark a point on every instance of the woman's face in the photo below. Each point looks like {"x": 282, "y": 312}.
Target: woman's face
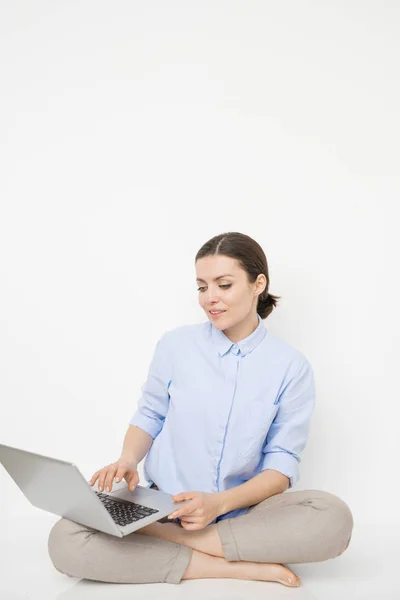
{"x": 232, "y": 293}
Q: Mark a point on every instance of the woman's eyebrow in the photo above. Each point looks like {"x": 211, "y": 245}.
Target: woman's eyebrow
{"x": 216, "y": 278}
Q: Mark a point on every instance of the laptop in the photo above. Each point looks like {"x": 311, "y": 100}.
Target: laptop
{"x": 60, "y": 488}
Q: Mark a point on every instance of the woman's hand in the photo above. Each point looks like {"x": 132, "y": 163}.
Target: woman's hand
{"x": 119, "y": 469}
{"x": 198, "y": 513}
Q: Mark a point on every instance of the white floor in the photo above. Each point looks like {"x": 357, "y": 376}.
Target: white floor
{"x": 368, "y": 570}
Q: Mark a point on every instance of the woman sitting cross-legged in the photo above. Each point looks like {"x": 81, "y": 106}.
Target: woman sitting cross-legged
{"x": 223, "y": 419}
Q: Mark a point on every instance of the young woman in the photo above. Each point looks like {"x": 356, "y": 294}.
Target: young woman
{"x": 223, "y": 419}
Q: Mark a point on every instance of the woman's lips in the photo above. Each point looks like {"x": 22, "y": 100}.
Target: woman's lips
{"x": 217, "y": 315}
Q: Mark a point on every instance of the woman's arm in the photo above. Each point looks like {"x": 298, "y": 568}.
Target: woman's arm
{"x": 285, "y": 441}
{"x": 154, "y": 402}
{"x": 258, "y": 488}
{"x": 136, "y": 444}
{"x": 288, "y": 434}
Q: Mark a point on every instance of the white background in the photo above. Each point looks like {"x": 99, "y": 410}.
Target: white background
{"x": 131, "y": 133}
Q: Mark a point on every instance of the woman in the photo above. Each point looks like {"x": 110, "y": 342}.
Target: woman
{"x": 223, "y": 418}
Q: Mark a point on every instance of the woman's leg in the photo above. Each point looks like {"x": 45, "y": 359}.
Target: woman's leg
{"x": 83, "y": 552}
{"x": 86, "y": 553}
{"x": 292, "y": 527}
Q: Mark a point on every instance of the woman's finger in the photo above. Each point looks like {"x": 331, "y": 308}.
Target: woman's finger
{"x": 190, "y": 519}
{"x": 185, "y": 512}
{"x": 192, "y": 526}
{"x": 110, "y": 478}
{"x": 120, "y": 473}
{"x": 94, "y": 478}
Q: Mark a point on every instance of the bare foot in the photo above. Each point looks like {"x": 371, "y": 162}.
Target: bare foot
{"x": 274, "y": 572}
{"x": 204, "y": 565}
{"x": 207, "y": 565}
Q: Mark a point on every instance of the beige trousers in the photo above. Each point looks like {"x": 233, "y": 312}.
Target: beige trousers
{"x": 292, "y": 527}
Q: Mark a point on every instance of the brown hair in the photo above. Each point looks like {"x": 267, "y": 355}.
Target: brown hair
{"x": 251, "y": 259}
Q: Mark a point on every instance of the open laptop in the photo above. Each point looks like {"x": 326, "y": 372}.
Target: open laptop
{"x": 60, "y": 488}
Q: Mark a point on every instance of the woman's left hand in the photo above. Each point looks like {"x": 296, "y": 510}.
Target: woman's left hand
{"x": 198, "y": 513}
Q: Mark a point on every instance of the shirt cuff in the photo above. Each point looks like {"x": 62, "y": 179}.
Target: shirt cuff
{"x": 148, "y": 425}
{"x": 284, "y": 463}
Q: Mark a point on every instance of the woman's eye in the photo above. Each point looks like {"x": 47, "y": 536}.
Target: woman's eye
{"x": 225, "y": 286}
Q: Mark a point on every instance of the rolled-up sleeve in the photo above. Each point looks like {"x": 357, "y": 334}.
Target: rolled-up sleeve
{"x": 287, "y": 436}
{"x": 154, "y": 401}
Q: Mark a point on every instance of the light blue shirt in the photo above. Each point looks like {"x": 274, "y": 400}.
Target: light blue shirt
{"x": 221, "y": 412}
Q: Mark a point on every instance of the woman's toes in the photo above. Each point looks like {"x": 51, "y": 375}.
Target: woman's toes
{"x": 287, "y": 577}
{"x": 272, "y": 572}
{"x": 291, "y": 581}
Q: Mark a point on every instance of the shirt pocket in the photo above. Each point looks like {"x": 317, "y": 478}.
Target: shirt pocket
{"x": 254, "y": 430}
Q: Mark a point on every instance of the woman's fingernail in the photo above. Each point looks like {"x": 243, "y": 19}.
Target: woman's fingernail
{"x": 107, "y": 489}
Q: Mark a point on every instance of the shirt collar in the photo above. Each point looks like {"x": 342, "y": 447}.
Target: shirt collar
{"x": 223, "y": 343}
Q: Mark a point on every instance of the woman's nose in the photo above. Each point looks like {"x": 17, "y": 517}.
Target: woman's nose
{"x": 212, "y": 298}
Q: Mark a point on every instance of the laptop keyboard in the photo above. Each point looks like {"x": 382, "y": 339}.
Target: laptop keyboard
{"x": 124, "y": 512}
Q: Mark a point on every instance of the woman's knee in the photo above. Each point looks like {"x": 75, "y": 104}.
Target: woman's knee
{"x": 345, "y": 526}
{"x": 338, "y": 523}
{"x": 66, "y": 542}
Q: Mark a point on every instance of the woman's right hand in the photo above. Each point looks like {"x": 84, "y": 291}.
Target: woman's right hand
{"x": 121, "y": 468}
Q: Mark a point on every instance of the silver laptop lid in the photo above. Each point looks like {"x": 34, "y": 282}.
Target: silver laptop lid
{"x": 56, "y": 486}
